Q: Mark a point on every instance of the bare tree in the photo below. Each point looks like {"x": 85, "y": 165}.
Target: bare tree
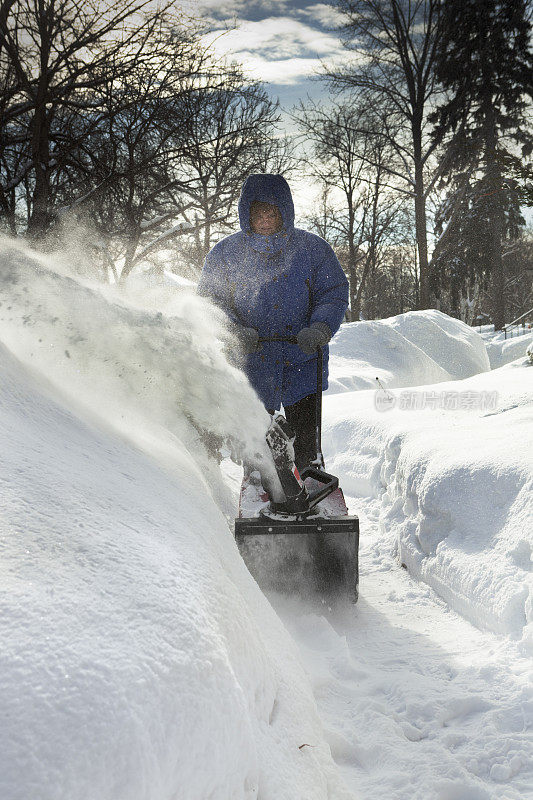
{"x": 131, "y": 186}
{"x": 394, "y": 44}
{"x": 233, "y": 132}
{"x": 347, "y": 157}
{"x": 118, "y": 116}
{"x": 161, "y": 176}
{"x": 57, "y": 61}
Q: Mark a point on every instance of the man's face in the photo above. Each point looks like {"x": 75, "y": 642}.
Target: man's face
{"x": 265, "y": 218}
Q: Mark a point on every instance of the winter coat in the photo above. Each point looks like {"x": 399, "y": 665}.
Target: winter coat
{"x": 278, "y": 285}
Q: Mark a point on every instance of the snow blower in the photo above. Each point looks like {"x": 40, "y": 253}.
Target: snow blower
{"x": 296, "y": 528}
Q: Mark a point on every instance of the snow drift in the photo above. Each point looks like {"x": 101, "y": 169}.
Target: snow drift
{"x": 502, "y": 351}
{"x": 420, "y": 347}
{"x": 139, "y": 659}
{"x": 148, "y": 374}
{"x": 452, "y": 463}
{"x": 456, "y": 484}
{"x": 452, "y": 344}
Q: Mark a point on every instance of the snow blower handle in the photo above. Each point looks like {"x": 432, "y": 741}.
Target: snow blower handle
{"x": 318, "y": 430}
{"x": 319, "y": 461}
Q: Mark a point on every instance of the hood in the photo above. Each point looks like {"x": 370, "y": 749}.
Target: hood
{"x": 267, "y": 189}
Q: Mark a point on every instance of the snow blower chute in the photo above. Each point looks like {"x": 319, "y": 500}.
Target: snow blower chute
{"x": 298, "y": 530}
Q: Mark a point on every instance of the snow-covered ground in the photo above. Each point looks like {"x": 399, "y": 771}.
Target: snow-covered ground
{"x": 455, "y": 485}
{"x": 452, "y": 466}
{"x": 502, "y": 351}
{"x": 139, "y": 658}
{"x": 418, "y": 703}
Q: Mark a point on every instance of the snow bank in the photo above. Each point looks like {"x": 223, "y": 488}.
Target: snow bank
{"x": 456, "y": 486}
{"x": 140, "y": 661}
{"x": 453, "y": 345}
{"x": 420, "y": 347}
{"x": 502, "y": 351}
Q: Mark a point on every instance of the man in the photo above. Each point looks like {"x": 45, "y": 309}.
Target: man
{"x": 275, "y": 280}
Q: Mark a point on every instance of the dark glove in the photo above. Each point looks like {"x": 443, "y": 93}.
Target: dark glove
{"x": 248, "y": 338}
{"x": 310, "y": 339}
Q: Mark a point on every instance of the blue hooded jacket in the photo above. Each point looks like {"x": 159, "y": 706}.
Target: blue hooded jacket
{"x": 278, "y": 285}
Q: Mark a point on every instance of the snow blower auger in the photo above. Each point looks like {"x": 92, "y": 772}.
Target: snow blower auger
{"x": 297, "y": 530}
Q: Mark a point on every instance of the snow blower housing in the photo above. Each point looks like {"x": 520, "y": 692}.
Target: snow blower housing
{"x": 300, "y": 528}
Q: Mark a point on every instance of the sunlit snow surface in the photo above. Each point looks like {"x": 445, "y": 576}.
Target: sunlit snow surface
{"x": 455, "y": 486}
{"x": 407, "y": 350}
{"x": 417, "y": 702}
{"x": 501, "y": 350}
{"x": 139, "y": 659}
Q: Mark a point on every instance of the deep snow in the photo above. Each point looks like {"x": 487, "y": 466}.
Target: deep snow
{"x": 417, "y": 702}
{"x": 150, "y": 364}
{"x": 140, "y": 660}
{"x": 407, "y": 350}
{"x": 455, "y": 486}
{"x": 502, "y": 351}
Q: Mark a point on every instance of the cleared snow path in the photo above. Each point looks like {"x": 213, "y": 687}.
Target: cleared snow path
{"x": 416, "y": 702}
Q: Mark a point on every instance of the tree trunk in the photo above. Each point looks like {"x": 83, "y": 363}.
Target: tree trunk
{"x": 420, "y": 216}
{"x": 370, "y": 261}
{"x": 498, "y": 278}
{"x": 40, "y": 214}
{"x": 352, "y": 261}
{"x": 494, "y": 187}
{"x": 355, "y": 308}
{"x": 131, "y": 249}
{"x": 207, "y": 237}
{"x": 494, "y": 181}
{"x": 40, "y": 135}
{"x": 40, "y": 153}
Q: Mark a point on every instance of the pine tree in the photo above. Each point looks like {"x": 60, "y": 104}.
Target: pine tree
{"x": 486, "y": 68}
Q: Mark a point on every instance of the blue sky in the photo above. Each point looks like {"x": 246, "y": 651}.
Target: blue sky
{"x": 281, "y": 42}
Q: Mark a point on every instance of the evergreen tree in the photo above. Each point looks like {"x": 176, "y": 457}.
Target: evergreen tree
{"x": 486, "y": 67}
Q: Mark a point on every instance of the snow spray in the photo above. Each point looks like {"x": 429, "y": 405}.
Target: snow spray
{"x": 135, "y": 367}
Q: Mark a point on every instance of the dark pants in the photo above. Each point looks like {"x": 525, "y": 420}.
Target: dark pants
{"x": 301, "y": 416}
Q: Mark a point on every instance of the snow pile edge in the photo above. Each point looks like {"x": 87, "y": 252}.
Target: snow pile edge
{"x": 139, "y": 659}
{"x": 412, "y": 349}
{"x": 455, "y": 492}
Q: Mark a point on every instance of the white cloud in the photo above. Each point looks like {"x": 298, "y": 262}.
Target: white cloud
{"x": 228, "y": 9}
{"x": 324, "y": 15}
{"x": 285, "y": 71}
{"x": 280, "y": 49}
{"x": 276, "y": 38}
{"x": 270, "y": 5}
{"x": 199, "y": 7}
